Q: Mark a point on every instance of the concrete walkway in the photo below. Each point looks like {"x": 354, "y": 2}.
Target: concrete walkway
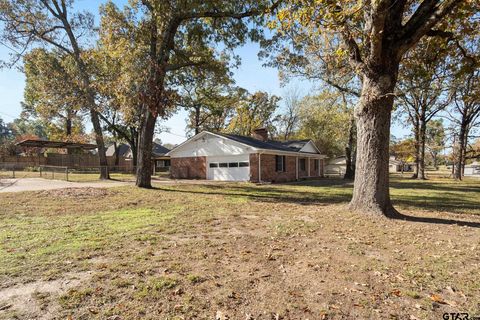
{"x": 38, "y": 184}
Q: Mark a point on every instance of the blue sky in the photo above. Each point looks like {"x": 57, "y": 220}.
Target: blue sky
{"x": 251, "y": 75}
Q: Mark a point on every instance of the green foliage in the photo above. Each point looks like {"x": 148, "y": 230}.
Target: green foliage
{"x": 53, "y": 94}
{"x": 435, "y": 139}
{"x": 403, "y": 150}
{"x": 254, "y": 111}
{"x": 35, "y": 127}
{"x": 325, "y": 118}
{"x": 6, "y": 133}
{"x": 208, "y": 96}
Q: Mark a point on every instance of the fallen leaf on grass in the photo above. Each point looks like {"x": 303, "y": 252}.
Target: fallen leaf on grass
{"x": 396, "y": 292}
{"x": 437, "y": 298}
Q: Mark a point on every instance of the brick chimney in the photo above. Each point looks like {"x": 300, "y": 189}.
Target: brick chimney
{"x": 260, "y": 134}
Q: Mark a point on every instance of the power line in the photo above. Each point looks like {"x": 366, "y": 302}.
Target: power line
{"x": 174, "y": 134}
{"x": 8, "y": 115}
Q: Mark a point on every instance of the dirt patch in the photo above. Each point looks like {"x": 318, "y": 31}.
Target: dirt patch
{"x": 38, "y": 300}
{"x": 78, "y": 193}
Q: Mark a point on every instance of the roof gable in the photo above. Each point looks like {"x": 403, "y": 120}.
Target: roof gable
{"x": 310, "y": 147}
{"x": 287, "y": 146}
{"x": 243, "y": 142}
{"x": 209, "y": 144}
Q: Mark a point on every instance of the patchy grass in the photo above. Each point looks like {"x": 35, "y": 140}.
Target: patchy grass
{"x": 270, "y": 251}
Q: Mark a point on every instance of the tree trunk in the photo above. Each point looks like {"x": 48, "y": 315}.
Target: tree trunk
{"x": 417, "y": 149}
{"x": 435, "y": 160}
{"x": 197, "y": 120}
{"x": 350, "y": 169}
{"x": 68, "y": 130}
{"x": 134, "y": 146}
{"x": 373, "y": 116}
{"x": 421, "y": 151}
{"x": 97, "y": 128}
{"x": 68, "y": 126}
{"x": 145, "y": 144}
{"x": 134, "y": 156}
{"x": 116, "y": 147}
{"x": 461, "y": 152}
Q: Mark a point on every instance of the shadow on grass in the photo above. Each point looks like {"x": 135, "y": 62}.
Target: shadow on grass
{"x": 430, "y": 220}
{"x": 423, "y": 196}
{"x": 269, "y": 193}
{"x": 432, "y": 186}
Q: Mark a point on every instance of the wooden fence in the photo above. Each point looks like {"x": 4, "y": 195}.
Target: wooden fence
{"x": 64, "y": 160}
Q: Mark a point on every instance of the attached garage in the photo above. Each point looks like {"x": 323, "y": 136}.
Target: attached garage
{"x": 229, "y": 168}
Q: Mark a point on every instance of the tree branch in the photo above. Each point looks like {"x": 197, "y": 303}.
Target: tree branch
{"x": 227, "y": 14}
{"x": 427, "y": 15}
{"x": 189, "y": 63}
{"x": 355, "y": 58}
{"x": 341, "y": 88}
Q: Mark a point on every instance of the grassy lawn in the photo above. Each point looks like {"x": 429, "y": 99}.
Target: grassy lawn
{"x": 245, "y": 251}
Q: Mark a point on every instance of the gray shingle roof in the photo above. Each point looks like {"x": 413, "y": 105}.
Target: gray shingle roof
{"x": 292, "y": 146}
{"x": 124, "y": 150}
{"x": 159, "y": 150}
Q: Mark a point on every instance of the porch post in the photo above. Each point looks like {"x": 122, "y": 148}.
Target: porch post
{"x": 309, "y": 160}
{"x": 296, "y": 168}
{"x": 319, "y": 171}
{"x": 259, "y": 167}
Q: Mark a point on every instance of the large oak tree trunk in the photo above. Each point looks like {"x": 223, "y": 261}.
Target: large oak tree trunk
{"x": 145, "y": 144}
{"x": 373, "y": 116}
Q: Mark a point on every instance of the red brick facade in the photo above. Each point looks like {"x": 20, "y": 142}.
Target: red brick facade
{"x": 196, "y": 168}
{"x": 269, "y": 173}
{"x": 188, "y": 168}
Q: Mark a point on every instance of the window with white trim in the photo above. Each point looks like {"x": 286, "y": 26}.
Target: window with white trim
{"x": 280, "y": 164}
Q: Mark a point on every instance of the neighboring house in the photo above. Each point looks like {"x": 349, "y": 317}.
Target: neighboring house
{"x": 336, "y": 166}
{"x": 395, "y": 165}
{"x": 472, "y": 169}
{"x": 123, "y": 151}
{"x": 160, "y": 161}
{"x": 228, "y": 157}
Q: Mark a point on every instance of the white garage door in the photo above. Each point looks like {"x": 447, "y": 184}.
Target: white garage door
{"x": 228, "y": 168}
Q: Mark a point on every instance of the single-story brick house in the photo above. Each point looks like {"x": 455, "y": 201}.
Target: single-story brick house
{"x": 228, "y": 157}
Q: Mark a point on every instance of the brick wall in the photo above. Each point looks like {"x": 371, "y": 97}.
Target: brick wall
{"x": 313, "y": 172}
{"x": 268, "y": 173}
{"x": 254, "y": 167}
{"x": 188, "y": 168}
{"x": 303, "y": 173}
